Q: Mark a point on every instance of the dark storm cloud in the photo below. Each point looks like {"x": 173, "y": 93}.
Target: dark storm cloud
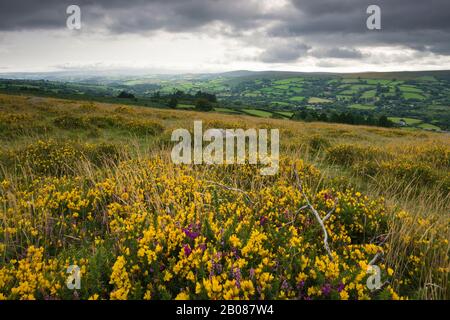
{"x": 132, "y": 15}
{"x": 397, "y": 15}
{"x": 325, "y": 25}
{"x": 418, "y": 24}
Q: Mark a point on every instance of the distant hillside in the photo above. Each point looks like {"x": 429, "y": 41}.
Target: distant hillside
{"x": 417, "y": 100}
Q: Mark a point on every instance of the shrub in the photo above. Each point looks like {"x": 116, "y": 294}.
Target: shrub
{"x": 88, "y": 107}
{"x": 346, "y": 154}
{"x": 50, "y": 157}
{"x": 68, "y": 122}
{"x": 203, "y": 105}
{"x": 104, "y": 121}
{"x": 318, "y": 142}
{"x": 99, "y": 153}
{"x": 143, "y": 128}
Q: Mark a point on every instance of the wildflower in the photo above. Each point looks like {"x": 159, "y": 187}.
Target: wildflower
{"x": 182, "y": 296}
{"x": 187, "y": 250}
{"x": 167, "y": 276}
{"x": 344, "y": 295}
{"x": 326, "y": 289}
{"x": 234, "y": 240}
{"x": 263, "y": 220}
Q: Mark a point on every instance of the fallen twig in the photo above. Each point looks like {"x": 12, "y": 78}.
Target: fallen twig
{"x": 232, "y": 189}
{"x": 316, "y": 214}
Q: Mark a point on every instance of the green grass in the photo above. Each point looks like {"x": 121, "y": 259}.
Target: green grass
{"x": 428, "y": 126}
{"x": 282, "y": 86}
{"x": 226, "y": 110}
{"x": 348, "y": 92}
{"x": 412, "y": 95}
{"x": 258, "y": 113}
{"x": 369, "y": 94}
{"x": 318, "y": 100}
{"x": 406, "y": 88}
{"x": 377, "y": 81}
{"x": 343, "y": 97}
{"x": 409, "y": 121}
{"x": 350, "y": 80}
{"x": 362, "y": 106}
{"x": 289, "y": 81}
{"x": 358, "y": 87}
{"x": 297, "y": 98}
{"x": 295, "y": 90}
{"x": 286, "y": 113}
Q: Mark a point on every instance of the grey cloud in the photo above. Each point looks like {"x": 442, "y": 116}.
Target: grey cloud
{"x": 338, "y": 53}
{"x": 419, "y": 25}
{"x": 334, "y": 29}
{"x": 286, "y": 52}
{"x": 132, "y": 15}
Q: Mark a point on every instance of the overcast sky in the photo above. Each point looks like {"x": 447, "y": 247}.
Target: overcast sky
{"x": 224, "y": 35}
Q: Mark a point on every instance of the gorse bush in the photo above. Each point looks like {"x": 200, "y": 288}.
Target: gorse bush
{"x": 68, "y": 122}
{"x": 143, "y": 127}
{"x": 409, "y": 171}
{"x": 49, "y": 157}
{"x": 102, "y": 152}
{"x": 416, "y": 166}
{"x": 171, "y": 234}
{"x": 349, "y": 154}
{"x": 105, "y": 122}
{"x": 56, "y": 158}
{"x": 14, "y": 125}
{"x": 88, "y": 107}
{"x": 136, "y": 127}
{"x": 318, "y": 142}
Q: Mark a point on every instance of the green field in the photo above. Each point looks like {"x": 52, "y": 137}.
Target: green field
{"x": 362, "y": 106}
{"x": 226, "y": 110}
{"x": 318, "y": 100}
{"x": 297, "y": 98}
{"x": 369, "y": 94}
{"x": 413, "y": 95}
{"x": 409, "y": 121}
{"x": 258, "y": 113}
{"x": 428, "y": 126}
{"x": 410, "y": 95}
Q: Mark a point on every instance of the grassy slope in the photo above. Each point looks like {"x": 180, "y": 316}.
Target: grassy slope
{"x": 409, "y": 169}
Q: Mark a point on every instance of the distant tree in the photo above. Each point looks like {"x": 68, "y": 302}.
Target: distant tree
{"x": 126, "y": 95}
{"x": 300, "y": 115}
{"x": 370, "y": 121}
{"x": 204, "y": 95}
{"x": 359, "y": 119}
{"x": 334, "y": 117}
{"x": 173, "y": 102}
{"x": 157, "y": 95}
{"x": 203, "y": 105}
{"x": 383, "y": 121}
{"x": 178, "y": 94}
{"x": 323, "y": 117}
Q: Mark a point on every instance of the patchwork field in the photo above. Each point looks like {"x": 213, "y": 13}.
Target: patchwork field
{"x": 421, "y": 95}
{"x": 91, "y": 184}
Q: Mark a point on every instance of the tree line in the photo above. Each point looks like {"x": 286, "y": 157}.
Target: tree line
{"x": 343, "y": 117}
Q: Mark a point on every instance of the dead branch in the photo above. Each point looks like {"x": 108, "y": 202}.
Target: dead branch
{"x": 316, "y": 214}
{"x": 375, "y": 258}
{"x": 232, "y": 189}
